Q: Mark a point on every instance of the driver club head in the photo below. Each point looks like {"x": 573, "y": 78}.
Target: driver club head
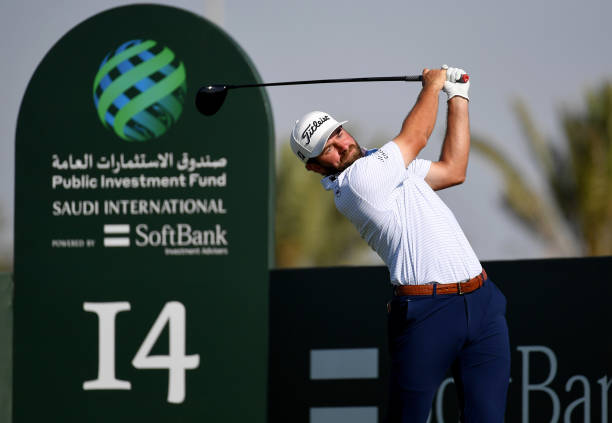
{"x": 210, "y": 98}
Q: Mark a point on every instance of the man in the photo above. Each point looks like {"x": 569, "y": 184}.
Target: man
{"x": 445, "y": 313}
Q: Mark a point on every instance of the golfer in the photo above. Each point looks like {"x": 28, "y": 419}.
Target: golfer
{"x": 445, "y": 313}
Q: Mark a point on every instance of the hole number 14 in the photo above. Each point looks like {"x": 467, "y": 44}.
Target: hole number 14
{"x": 173, "y": 314}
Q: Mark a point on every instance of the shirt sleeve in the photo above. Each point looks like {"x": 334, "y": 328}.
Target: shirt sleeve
{"x": 374, "y": 177}
{"x": 418, "y": 168}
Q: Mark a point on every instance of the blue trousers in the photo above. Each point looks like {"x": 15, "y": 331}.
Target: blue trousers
{"x": 465, "y": 333}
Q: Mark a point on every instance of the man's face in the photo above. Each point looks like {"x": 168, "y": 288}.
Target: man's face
{"x": 340, "y": 151}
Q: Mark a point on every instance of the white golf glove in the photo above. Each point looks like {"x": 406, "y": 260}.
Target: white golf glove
{"x": 453, "y": 88}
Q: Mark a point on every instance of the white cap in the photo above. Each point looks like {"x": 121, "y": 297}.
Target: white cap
{"x": 311, "y": 132}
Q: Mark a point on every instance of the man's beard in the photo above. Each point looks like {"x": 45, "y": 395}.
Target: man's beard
{"x": 353, "y": 153}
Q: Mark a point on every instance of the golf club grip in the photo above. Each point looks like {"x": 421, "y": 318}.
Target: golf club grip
{"x": 462, "y": 79}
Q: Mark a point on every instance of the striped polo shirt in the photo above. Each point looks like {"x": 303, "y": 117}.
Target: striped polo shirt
{"x": 403, "y": 219}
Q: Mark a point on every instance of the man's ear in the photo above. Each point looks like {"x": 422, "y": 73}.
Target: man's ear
{"x": 315, "y": 167}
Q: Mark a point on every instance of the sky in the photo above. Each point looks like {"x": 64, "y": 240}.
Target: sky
{"x": 547, "y": 53}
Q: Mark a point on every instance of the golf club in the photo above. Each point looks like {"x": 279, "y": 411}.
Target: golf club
{"x": 210, "y": 98}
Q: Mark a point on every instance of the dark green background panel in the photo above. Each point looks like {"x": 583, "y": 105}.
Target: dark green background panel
{"x": 558, "y": 305}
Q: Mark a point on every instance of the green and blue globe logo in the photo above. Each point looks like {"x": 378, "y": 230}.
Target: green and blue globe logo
{"x": 139, "y": 90}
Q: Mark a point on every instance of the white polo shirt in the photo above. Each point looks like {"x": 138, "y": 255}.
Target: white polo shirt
{"x": 403, "y": 219}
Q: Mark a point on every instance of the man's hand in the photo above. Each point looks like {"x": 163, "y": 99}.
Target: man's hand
{"x": 434, "y": 78}
{"x": 452, "y": 88}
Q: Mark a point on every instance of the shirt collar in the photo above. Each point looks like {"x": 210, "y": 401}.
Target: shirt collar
{"x": 329, "y": 181}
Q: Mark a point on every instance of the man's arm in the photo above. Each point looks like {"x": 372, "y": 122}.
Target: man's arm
{"x": 451, "y": 168}
{"x": 419, "y": 123}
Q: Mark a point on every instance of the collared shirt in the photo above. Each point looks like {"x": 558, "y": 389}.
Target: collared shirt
{"x": 403, "y": 219}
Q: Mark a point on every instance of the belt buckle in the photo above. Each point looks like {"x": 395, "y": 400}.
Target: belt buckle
{"x": 459, "y": 288}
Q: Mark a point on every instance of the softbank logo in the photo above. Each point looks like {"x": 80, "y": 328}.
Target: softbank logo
{"x": 213, "y": 240}
{"x": 116, "y": 241}
{"x": 180, "y": 235}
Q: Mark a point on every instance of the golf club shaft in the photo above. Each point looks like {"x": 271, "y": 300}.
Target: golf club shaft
{"x": 332, "y": 81}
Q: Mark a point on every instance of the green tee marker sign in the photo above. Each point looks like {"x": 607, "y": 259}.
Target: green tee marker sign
{"x": 142, "y": 228}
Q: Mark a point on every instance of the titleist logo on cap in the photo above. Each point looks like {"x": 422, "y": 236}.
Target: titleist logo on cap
{"x": 312, "y": 127}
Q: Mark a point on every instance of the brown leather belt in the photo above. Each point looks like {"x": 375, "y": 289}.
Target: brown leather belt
{"x": 442, "y": 288}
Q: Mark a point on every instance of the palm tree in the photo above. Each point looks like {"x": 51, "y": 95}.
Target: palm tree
{"x": 574, "y": 214}
{"x": 309, "y": 229}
